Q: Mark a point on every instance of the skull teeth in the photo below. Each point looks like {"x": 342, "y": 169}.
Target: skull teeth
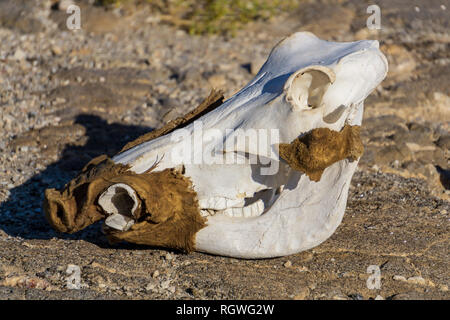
{"x": 253, "y": 210}
{"x": 237, "y": 208}
{"x": 220, "y": 203}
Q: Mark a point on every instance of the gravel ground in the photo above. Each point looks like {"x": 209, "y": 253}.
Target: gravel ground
{"x": 68, "y": 96}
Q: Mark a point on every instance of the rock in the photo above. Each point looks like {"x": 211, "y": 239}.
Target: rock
{"x": 302, "y": 294}
{"x": 63, "y": 5}
{"x": 367, "y": 34}
{"x": 417, "y": 134}
{"x": 381, "y": 127}
{"x": 401, "y": 62}
{"x": 399, "y": 278}
{"x": 330, "y": 21}
{"x": 444, "y": 142}
{"x": 440, "y": 102}
{"x": 288, "y": 264}
{"x": 302, "y": 269}
{"x": 413, "y": 280}
{"x": 414, "y": 147}
{"x": 417, "y": 280}
{"x": 389, "y": 154}
{"x": 57, "y": 51}
{"x": 420, "y": 134}
{"x": 172, "y": 289}
{"x": 165, "y": 284}
{"x": 356, "y": 296}
{"x": 151, "y": 286}
{"x": 3, "y": 234}
{"x": 27, "y": 282}
{"x": 168, "y": 256}
{"x": 22, "y": 15}
{"x": 438, "y": 179}
{"x": 191, "y": 78}
{"x": 431, "y": 156}
{"x": 217, "y": 81}
{"x": 339, "y": 297}
{"x": 19, "y": 55}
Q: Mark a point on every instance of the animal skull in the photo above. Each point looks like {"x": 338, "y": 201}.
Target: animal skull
{"x": 196, "y": 185}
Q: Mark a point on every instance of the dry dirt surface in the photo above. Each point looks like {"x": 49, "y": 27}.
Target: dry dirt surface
{"x": 68, "y": 96}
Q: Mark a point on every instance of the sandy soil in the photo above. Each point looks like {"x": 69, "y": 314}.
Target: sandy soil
{"x": 68, "y": 96}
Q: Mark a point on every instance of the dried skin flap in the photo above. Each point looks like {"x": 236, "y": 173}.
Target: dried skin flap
{"x": 167, "y": 214}
{"x": 75, "y": 208}
{"x": 214, "y": 100}
{"x": 170, "y": 216}
{"x": 313, "y": 152}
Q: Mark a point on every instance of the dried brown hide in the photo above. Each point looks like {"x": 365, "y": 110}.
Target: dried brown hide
{"x": 313, "y": 152}
{"x": 169, "y": 215}
{"x": 74, "y": 208}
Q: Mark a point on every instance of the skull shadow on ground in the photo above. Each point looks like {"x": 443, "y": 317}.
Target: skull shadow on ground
{"x": 21, "y": 215}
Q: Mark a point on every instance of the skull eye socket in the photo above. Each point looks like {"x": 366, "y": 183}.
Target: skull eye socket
{"x": 306, "y": 88}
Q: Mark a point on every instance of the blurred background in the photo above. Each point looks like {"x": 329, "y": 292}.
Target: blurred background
{"x": 68, "y": 95}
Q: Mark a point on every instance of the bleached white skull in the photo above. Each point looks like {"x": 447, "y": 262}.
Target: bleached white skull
{"x": 268, "y": 194}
